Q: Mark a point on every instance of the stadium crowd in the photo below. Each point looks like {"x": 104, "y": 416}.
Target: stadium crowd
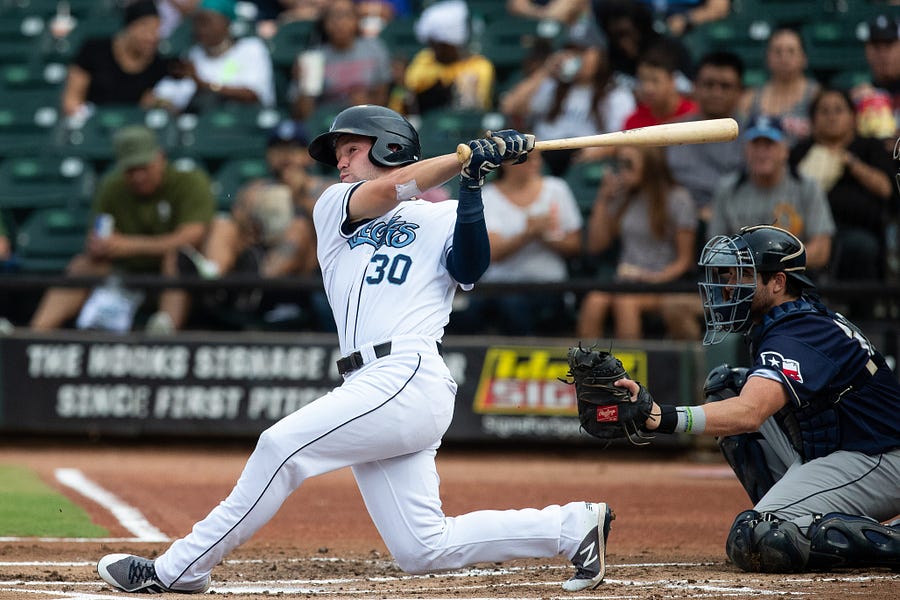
{"x": 194, "y": 116}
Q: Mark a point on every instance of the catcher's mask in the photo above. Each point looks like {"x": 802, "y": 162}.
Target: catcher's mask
{"x": 729, "y": 266}
{"x": 395, "y": 141}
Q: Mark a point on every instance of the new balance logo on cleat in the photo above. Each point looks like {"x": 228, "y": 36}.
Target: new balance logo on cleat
{"x": 590, "y": 555}
{"x": 590, "y": 558}
{"x": 134, "y": 574}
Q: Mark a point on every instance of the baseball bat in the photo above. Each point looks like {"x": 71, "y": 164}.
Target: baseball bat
{"x": 667, "y": 134}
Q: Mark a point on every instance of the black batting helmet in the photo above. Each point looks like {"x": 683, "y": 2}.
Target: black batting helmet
{"x": 756, "y": 249}
{"x": 396, "y": 142}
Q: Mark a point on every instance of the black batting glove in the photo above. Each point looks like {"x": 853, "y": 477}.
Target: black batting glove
{"x": 485, "y": 158}
{"x": 514, "y": 146}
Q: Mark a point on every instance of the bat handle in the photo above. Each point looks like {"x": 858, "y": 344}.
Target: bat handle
{"x": 463, "y": 152}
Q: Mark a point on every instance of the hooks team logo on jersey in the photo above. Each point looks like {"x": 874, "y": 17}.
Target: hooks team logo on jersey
{"x": 788, "y": 366}
{"x": 396, "y": 233}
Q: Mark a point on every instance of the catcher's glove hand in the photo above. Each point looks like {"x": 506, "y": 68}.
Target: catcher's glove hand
{"x": 606, "y": 411}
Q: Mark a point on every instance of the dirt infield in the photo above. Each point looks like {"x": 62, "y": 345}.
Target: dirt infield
{"x": 667, "y": 542}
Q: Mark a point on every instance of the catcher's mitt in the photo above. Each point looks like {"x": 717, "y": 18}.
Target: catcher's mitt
{"x": 606, "y": 411}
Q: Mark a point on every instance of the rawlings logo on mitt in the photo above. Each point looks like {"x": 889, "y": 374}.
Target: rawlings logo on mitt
{"x": 606, "y": 411}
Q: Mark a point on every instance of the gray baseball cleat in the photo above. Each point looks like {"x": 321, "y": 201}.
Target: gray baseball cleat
{"x": 590, "y": 558}
{"x": 134, "y": 574}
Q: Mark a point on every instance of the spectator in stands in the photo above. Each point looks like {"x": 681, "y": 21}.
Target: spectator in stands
{"x": 263, "y": 235}
{"x": 658, "y": 98}
{"x": 219, "y": 70}
{"x": 534, "y": 226}
{"x": 572, "y": 93}
{"x": 264, "y": 230}
{"x": 654, "y": 221}
{"x": 878, "y": 100}
{"x": 855, "y": 173}
{"x": 352, "y": 69}
{"x": 121, "y": 69}
{"x": 788, "y": 90}
{"x": 628, "y": 27}
{"x": 698, "y": 167}
{"x": 156, "y": 209}
{"x": 287, "y": 154}
{"x": 445, "y": 75}
{"x": 769, "y": 191}
{"x": 562, "y": 11}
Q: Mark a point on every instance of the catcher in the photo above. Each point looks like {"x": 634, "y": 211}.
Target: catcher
{"x": 812, "y": 429}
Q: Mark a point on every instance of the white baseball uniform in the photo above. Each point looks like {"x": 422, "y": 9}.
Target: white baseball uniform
{"x": 386, "y": 280}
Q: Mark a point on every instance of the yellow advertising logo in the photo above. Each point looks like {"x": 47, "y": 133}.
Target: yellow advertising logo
{"x": 526, "y": 380}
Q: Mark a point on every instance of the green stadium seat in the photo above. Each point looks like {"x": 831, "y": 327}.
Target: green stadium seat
{"x": 833, "y": 46}
{"x": 440, "y": 131}
{"x": 232, "y": 175}
{"x": 783, "y": 12}
{"x": 400, "y": 38}
{"x": 221, "y": 134}
{"x": 846, "y": 80}
{"x": 32, "y": 76}
{"x": 50, "y": 237}
{"x": 92, "y": 140}
{"x": 511, "y": 42}
{"x": 36, "y": 181}
{"x": 27, "y": 129}
{"x": 322, "y": 116}
{"x": 492, "y": 11}
{"x": 20, "y": 37}
{"x": 745, "y": 36}
{"x": 291, "y": 39}
{"x": 28, "y": 183}
{"x": 584, "y": 180}
{"x": 48, "y": 8}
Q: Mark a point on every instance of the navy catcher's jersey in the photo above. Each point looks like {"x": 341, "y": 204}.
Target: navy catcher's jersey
{"x": 842, "y": 394}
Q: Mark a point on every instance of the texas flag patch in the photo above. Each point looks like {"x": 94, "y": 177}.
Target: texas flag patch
{"x": 607, "y": 414}
{"x": 788, "y": 366}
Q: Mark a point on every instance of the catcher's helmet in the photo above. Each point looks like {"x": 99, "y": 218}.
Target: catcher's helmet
{"x": 396, "y": 142}
{"x": 757, "y": 249}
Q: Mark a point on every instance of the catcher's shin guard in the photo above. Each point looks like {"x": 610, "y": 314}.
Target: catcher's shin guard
{"x": 748, "y": 462}
{"x": 763, "y": 543}
{"x": 850, "y": 541}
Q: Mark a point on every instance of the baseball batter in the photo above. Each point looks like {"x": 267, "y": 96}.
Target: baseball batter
{"x": 812, "y": 429}
{"x": 390, "y": 265}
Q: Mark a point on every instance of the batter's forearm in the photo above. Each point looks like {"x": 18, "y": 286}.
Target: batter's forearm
{"x": 378, "y": 196}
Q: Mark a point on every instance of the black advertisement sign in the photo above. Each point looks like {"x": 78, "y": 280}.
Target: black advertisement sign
{"x": 227, "y": 385}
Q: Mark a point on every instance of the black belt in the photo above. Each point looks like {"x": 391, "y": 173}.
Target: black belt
{"x": 355, "y": 360}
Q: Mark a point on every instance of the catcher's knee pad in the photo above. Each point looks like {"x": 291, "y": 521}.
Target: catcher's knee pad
{"x": 766, "y": 544}
{"x": 748, "y": 462}
{"x": 841, "y": 540}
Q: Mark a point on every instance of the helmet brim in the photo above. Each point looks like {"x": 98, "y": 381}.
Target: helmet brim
{"x": 321, "y": 148}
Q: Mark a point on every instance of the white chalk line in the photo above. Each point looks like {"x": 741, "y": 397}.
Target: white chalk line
{"x": 129, "y": 516}
{"x": 320, "y": 586}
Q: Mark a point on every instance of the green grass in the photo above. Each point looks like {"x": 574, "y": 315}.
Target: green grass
{"x": 30, "y": 508}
